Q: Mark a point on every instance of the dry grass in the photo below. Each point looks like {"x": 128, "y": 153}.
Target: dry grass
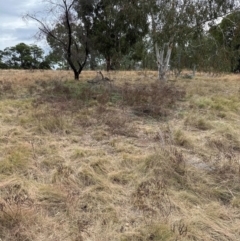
{"x": 127, "y": 160}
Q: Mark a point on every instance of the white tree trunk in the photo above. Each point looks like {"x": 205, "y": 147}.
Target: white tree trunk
{"x": 163, "y": 61}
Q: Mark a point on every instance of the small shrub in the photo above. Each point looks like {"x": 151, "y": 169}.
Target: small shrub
{"x": 41, "y": 83}
{"x": 115, "y": 122}
{"x": 6, "y": 88}
{"x": 227, "y": 168}
{"x": 152, "y": 197}
{"x": 32, "y": 89}
{"x": 59, "y": 88}
{"x": 152, "y": 99}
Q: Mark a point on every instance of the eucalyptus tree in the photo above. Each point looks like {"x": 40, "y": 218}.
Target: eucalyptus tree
{"x": 65, "y": 32}
{"x": 37, "y": 55}
{"x": 2, "y": 64}
{"x": 174, "y": 22}
{"x": 23, "y": 56}
{"x": 226, "y": 36}
{"x": 116, "y": 26}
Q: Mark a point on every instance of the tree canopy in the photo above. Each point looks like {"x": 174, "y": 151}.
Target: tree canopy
{"x": 23, "y": 56}
{"x": 117, "y": 26}
{"x": 177, "y": 23}
{"x": 226, "y": 35}
{"x": 82, "y": 32}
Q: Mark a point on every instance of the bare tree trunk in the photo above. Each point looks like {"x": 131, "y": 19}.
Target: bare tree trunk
{"x": 76, "y": 75}
{"x": 108, "y": 62}
{"x": 65, "y": 10}
{"x": 194, "y": 70}
{"x": 163, "y": 60}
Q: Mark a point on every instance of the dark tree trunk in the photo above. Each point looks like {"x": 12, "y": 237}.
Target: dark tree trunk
{"x": 66, "y": 10}
{"x": 108, "y": 62}
{"x": 76, "y": 75}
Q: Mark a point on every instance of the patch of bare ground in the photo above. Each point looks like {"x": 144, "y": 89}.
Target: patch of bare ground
{"x": 125, "y": 159}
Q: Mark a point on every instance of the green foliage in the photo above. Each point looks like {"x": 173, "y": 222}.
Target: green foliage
{"x": 122, "y": 33}
{"x": 15, "y": 161}
{"x": 115, "y": 27}
{"x": 227, "y": 38}
{"x": 59, "y": 52}
{"x": 182, "y": 24}
{"x": 23, "y": 56}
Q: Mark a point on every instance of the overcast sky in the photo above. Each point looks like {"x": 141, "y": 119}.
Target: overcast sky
{"x": 13, "y": 29}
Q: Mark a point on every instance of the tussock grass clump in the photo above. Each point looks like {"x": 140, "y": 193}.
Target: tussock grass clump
{"x": 161, "y": 171}
{"x": 198, "y": 122}
{"x": 181, "y": 138}
{"x": 15, "y": 160}
{"x": 225, "y": 138}
{"x": 16, "y": 210}
{"x": 51, "y": 121}
{"x": 53, "y": 199}
{"x": 169, "y": 162}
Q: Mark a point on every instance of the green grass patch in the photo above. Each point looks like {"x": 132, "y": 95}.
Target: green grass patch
{"x": 15, "y": 160}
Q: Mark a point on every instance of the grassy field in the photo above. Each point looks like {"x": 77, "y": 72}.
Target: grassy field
{"x": 125, "y": 160}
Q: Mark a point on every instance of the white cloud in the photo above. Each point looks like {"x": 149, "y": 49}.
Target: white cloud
{"x": 13, "y": 28}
